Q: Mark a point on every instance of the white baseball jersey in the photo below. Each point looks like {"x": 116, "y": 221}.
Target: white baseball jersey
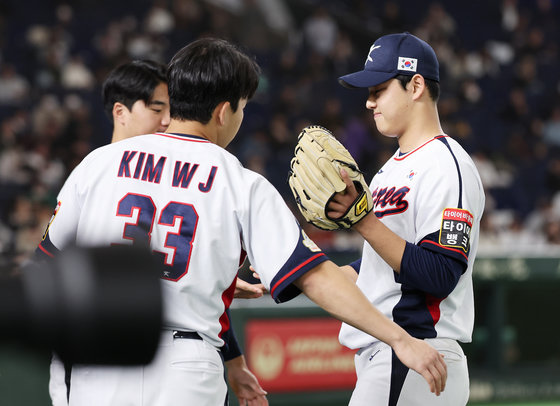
{"x": 431, "y": 197}
{"x": 199, "y": 209}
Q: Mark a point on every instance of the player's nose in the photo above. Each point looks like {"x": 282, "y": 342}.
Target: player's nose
{"x": 165, "y": 120}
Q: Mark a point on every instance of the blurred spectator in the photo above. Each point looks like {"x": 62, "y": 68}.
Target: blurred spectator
{"x": 75, "y": 75}
{"x": 392, "y": 20}
{"x": 110, "y": 41}
{"x": 492, "y": 177}
{"x": 48, "y": 118}
{"x": 551, "y": 129}
{"x": 14, "y": 88}
{"x": 320, "y": 31}
{"x": 552, "y": 231}
{"x": 438, "y": 24}
{"x": 159, "y": 19}
{"x": 13, "y": 167}
{"x": 510, "y": 15}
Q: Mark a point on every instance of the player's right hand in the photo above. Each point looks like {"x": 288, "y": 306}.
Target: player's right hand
{"x": 424, "y": 359}
{"x": 246, "y": 290}
{"x": 245, "y": 384}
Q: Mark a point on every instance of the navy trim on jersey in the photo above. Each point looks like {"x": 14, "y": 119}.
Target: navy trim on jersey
{"x": 46, "y": 249}
{"x": 187, "y": 137}
{"x": 231, "y": 348}
{"x": 356, "y": 265}
{"x": 431, "y": 242}
{"x": 404, "y": 155}
{"x": 446, "y": 143}
{"x": 398, "y": 375}
{"x": 429, "y": 271}
{"x": 301, "y": 261}
{"x": 417, "y": 313}
{"x": 67, "y": 378}
{"x": 427, "y": 277}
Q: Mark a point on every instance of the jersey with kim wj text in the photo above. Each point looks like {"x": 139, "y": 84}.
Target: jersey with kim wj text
{"x": 432, "y": 197}
{"x": 200, "y": 211}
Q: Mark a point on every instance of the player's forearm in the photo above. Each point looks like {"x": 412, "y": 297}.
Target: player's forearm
{"x": 236, "y": 362}
{"x": 349, "y": 272}
{"x": 385, "y": 242}
{"x": 331, "y": 289}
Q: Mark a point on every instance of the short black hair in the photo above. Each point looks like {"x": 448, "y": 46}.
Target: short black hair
{"x": 207, "y": 72}
{"x": 432, "y": 85}
{"x": 130, "y": 82}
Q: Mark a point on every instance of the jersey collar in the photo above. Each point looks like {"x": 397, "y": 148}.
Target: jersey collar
{"x": 400, "y": 156}
{"x": 185, "y": 137}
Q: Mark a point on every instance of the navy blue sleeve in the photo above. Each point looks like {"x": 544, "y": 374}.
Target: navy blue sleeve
{"x": 356, "y": 265}
{"x": 231, "y": 349}
{"x": 45, "y": 250}
{"x": 429, "y": 271}
{"x": 282, "y": 286}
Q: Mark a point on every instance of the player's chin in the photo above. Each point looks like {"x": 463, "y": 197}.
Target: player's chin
{"x": 386, "y": 132}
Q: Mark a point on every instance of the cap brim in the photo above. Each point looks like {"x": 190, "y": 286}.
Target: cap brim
{"x": 365, "y": 78}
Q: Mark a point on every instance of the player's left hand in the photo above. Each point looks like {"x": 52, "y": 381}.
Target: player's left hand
{"x": 339, "y": 204}
{"x": 245, "y": 384}
{"x": 246, "y": 290}
{"x": 314, "y": 179}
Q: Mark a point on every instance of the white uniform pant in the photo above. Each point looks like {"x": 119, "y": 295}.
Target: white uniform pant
{"x": 384, "y": 381}
{"x": 183, "y": 372}
{"x": 57, "y": 383}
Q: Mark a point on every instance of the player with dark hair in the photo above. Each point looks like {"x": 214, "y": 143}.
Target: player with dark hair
{"x": 421, "y": 237}
{"x": 136, "y": 101}
{"x": 200, "y": 210}
{"x": 135, "y": 98}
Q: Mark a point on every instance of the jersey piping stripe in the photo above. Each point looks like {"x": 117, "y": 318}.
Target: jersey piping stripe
{"x": 421, "y": 146}
{"x": 46, "y": 247}
{"x": 432, "y": 303}
{"x": 460, "y": 203}
{"x": 227, "y": 298}
{"x": 45, "y": 251}
{"x": 184, "y": 137}
{"x": 294, "y": 271}
{"x": 445, "y": 248}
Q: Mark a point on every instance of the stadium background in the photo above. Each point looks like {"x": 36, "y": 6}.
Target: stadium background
{"x": 501, "y": 99}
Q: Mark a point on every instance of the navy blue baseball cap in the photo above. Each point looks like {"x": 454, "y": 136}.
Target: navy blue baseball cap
{"x": 392, "y": 55}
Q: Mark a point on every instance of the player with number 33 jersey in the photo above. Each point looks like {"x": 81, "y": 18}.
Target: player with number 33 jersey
{"x": 175, "y": 186}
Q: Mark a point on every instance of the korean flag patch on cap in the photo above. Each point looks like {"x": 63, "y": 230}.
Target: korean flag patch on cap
{"x": 408, "y": 64}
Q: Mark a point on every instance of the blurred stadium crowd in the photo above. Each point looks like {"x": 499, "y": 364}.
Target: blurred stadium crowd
{"x": 499, "y": 75}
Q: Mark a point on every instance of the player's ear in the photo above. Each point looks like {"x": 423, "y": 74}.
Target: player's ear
{"x": 120, "y": 113}
{"x": 418, "y": 85}
{"x": 221, "y": 112}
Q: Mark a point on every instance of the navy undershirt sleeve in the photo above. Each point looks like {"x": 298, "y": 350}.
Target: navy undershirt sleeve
{"x": 356, "y": 265}
{"x": 429, "y": 271}
{"x": 231, "y": 349}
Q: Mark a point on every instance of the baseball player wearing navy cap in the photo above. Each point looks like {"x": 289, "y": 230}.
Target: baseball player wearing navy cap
{"x": 392, "y": 55}
{"x": 199, "y": 210}
{"x": 422, "y": 235}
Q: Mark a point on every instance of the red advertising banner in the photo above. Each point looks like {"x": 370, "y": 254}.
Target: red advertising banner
{"x": 299, "y": 355}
